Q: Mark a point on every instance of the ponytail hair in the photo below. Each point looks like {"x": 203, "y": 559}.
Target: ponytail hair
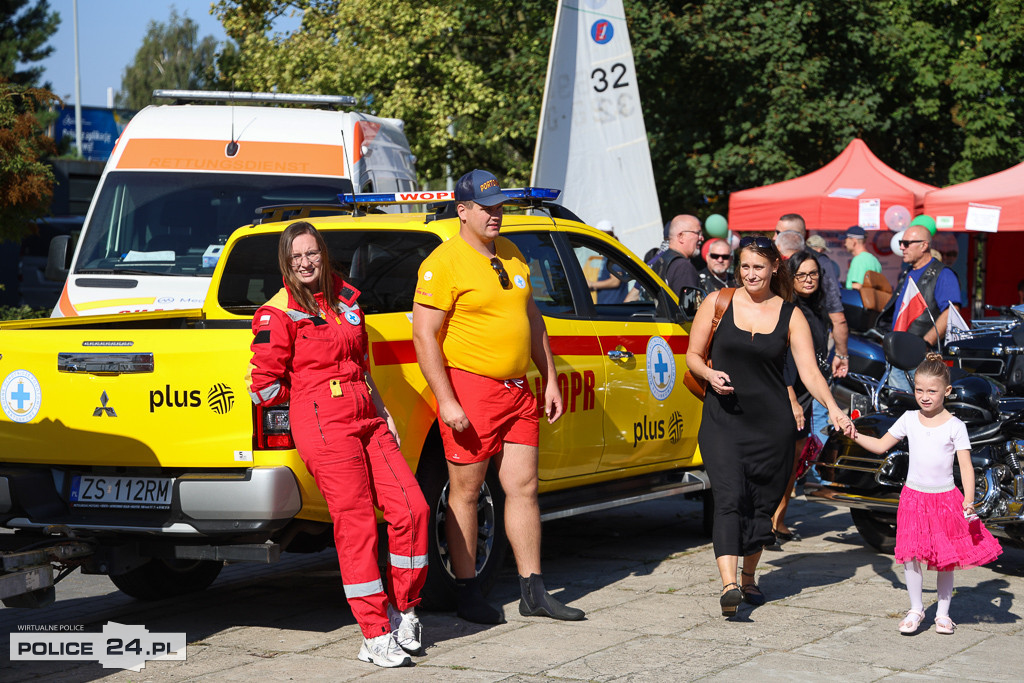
{"x": 934, "y": 366}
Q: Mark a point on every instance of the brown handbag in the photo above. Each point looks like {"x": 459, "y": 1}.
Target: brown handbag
{"x": 696, "y": 385}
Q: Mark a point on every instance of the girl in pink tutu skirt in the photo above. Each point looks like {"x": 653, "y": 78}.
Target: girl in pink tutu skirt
{"x": 935, "y": 524}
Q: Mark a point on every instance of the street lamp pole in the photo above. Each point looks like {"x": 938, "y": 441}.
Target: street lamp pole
{"x": 78, "y": 88}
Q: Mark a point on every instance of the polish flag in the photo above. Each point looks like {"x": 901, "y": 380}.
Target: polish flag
{"x": 911, "y": 306}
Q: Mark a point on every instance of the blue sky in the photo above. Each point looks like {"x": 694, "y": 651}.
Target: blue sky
{"x": 110, "y": 32}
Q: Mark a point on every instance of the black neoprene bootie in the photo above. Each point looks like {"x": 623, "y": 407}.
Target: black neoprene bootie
{"x": 472, "y": 606}
{"x": 536, "y": 602}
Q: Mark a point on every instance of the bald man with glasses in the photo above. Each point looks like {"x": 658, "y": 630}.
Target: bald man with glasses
{"x": 937, "y": 284}
{"x": 716, "y": 275}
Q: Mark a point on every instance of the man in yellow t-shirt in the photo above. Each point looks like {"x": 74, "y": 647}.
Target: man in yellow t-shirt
{"x": 475, "y": 328}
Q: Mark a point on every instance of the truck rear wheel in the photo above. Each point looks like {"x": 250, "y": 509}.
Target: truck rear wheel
{"x": 439, "y": 591}
{"x": 878, "y": 530}
{"x": 159, "y": 578}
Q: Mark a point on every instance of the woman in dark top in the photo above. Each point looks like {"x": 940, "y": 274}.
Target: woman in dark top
{"x": 747, "y": 429}
{"x": 811, "y": 301}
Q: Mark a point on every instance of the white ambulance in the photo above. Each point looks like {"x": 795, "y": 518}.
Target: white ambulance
{"x": 183, "y": 176}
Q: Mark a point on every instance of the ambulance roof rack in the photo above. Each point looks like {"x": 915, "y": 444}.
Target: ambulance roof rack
{"x": 184, "y": 96}
{"x": 289, "y": 212}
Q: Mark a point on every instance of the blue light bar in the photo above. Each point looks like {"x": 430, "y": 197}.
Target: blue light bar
{"x": 427, "y": 196}
{"x": 533, "y": 193}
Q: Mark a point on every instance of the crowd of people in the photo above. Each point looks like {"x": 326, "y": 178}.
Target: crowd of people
{"x": 772, "y": 343}
{"x": 781, "y": 338}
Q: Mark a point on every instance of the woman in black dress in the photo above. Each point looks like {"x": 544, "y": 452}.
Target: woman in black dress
{"x": 747, "y": 430}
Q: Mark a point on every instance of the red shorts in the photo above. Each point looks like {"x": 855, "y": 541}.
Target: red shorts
{"x": 498, "y": 411}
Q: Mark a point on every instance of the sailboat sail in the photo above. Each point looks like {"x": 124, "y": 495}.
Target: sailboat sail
{"x": 591, "y": 141}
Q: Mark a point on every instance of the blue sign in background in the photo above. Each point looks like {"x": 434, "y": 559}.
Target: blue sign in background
{"x": 100, "y": 128}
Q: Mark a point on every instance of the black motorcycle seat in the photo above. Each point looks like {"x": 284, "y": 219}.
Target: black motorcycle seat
{"x": 983, "y": 432}
{"x": 904, "y": 350}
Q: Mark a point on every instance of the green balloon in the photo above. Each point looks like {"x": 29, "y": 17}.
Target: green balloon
{"x": 925, "y": 222}
{"x": 715, "y": 225}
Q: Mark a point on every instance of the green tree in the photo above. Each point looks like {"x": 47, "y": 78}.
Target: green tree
{"x": 24, "y": 31}
{"x": 479, "y": 68}
{"x": 171, "y": 57}
{"x": 959, "y": 67}
{"x": 736, "y": 93}
{"x": 26, "y": 182}
{"x": 739, "y": 93}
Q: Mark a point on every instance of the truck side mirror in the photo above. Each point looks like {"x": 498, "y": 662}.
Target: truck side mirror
{"x": 690, "y": 299}
{"x": 58, "y": 259}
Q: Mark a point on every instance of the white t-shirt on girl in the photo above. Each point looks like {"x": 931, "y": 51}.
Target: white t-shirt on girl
{"x": 932, "y": 450}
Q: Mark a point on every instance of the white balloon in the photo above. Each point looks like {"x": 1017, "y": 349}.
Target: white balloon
{"x": 897, "y": 217}
{"x": 895, "y": 243}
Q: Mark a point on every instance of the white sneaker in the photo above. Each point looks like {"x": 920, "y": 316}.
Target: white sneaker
{"x": 383, "y": 651}
{"x": 407, "y": 629}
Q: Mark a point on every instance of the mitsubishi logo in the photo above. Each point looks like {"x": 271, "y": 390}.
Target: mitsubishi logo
{"x": 103, "y": 408}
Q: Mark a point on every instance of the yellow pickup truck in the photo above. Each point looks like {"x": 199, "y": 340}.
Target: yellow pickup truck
{"x": 133, "y": 435}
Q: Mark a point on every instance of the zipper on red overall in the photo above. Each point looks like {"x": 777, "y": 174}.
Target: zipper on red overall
{"x": 316, "y": 412}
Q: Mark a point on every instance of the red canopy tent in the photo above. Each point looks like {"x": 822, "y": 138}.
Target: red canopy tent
{"x": 829, "y": 198}
{"x": 996, "y": 256}
{"x": 1004, "y": 190}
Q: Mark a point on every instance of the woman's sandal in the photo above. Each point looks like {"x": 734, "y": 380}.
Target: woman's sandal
{"x": 944, "y": 625}
{"x": 912, "y": 622}
{"x": 751, "y": 593}
{"x": 730, "y": 599}
{"x": 786, "y": 536}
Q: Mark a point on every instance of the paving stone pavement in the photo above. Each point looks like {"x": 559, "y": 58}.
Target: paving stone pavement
{"x": 647, "y": 579}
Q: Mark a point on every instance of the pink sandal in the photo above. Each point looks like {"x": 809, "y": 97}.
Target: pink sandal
{"x": 912, "y": 622}
{"x": 944, "y": 625}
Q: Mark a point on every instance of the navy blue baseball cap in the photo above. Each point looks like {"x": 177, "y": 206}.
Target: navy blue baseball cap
{"x": 856, "y": 231}
{"x": 480, "y": 187}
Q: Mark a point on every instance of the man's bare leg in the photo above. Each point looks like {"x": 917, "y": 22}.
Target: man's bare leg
{"x": 461, "y": 526}
{"x": 517, "y": 470}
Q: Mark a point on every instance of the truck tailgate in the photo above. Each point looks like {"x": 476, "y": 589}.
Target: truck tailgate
{"x": 73, "y": 396}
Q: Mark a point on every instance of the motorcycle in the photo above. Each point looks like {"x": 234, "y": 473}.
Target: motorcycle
{"x": 869, "y": 484}
{"x": 994, "y": 347}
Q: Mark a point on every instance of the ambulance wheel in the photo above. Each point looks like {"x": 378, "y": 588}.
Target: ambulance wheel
{"x": 159, "y": 578}
{"x": 491, "y": 544}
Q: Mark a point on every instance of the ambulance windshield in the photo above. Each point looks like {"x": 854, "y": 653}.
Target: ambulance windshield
{"x": 176, "y": 223}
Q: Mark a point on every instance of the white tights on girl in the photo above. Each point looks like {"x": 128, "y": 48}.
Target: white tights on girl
{"x": 943, "y": 585}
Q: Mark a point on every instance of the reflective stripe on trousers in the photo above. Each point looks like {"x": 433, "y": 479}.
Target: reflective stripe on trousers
{"x": 362, "y": 590}
{"x": 407, "y": 562}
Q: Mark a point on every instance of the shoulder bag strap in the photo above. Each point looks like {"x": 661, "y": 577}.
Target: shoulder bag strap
{"x": 721, "y": 304}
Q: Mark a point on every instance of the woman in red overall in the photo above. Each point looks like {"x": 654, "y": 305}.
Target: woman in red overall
{"x": 310, "y": 349}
